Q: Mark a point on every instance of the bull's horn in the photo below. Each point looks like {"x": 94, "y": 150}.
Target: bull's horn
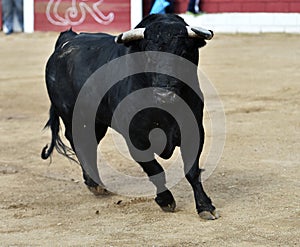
{"x": 198, "y": 32}
{"x": 134, "y": 34}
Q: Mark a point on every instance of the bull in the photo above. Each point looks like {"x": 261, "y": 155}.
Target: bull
{"x": 77, "y": 56}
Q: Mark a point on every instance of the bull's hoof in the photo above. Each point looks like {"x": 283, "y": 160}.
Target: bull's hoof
{"x": 169, "y": 208}
{"x": 99, "y": 191}
{"x": 206, "y": 215}
{"x": 166, "y": 201}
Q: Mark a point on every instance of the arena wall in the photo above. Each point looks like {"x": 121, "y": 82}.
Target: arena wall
{"x": 119, "y": 15}
{"x": 240, "y": 6}
{"x": 266, "y": 6}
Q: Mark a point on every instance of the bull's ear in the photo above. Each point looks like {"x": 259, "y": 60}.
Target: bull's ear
{"x": 131, "y": 35}
{"x": 200, "y": 43}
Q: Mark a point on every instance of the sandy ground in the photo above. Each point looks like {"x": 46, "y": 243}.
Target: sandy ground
{"x": 255, "y": 187}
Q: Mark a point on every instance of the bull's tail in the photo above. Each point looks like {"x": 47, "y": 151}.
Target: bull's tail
{"x": 53, "y": 124}
{"x": 56, "y": 142}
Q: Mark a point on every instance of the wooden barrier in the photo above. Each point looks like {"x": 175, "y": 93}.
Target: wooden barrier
{"x": 91, "y": 16}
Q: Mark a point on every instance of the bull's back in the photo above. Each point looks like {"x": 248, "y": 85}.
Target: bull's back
{"x": 75, "y": 59}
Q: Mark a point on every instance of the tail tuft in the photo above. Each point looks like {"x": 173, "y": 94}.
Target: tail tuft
{"x": 45, "y": 155}
{"x": 56, "y": 142}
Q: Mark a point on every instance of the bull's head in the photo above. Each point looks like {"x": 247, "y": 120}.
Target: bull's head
{"x": 138, "y": 33}
{"x": 166, "y": 33}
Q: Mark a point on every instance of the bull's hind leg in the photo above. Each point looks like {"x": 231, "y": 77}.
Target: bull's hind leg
{"x": 95, "y": 188}
{"x": 156, "y": 175}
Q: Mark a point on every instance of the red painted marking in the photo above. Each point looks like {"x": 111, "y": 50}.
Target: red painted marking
{"x": 55, "y": 15}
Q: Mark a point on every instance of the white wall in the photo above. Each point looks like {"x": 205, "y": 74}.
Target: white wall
{"x": 247, "y": 22}
{"x": 28, "y": 10}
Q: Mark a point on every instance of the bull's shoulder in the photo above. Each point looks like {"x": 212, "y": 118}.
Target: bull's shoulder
{"x": 94, "y": 35}
{"x": 94, "y": 40}
{"x": 80, "y": 39}
{"x": 86, "y": 44}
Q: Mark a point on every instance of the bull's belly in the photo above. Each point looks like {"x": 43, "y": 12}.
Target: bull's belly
{"x": 160, "y": 137}
{"x": 149, "y": 129}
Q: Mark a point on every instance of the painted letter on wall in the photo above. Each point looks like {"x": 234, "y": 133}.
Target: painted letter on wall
{"x": 82, "y": 15}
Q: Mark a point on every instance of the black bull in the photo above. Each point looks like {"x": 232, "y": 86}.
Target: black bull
{"x": 77, "y": 56}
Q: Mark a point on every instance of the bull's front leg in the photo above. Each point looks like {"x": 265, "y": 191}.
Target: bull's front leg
{"x": 156, "y": 174}
{"x": 204, "y": 205}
